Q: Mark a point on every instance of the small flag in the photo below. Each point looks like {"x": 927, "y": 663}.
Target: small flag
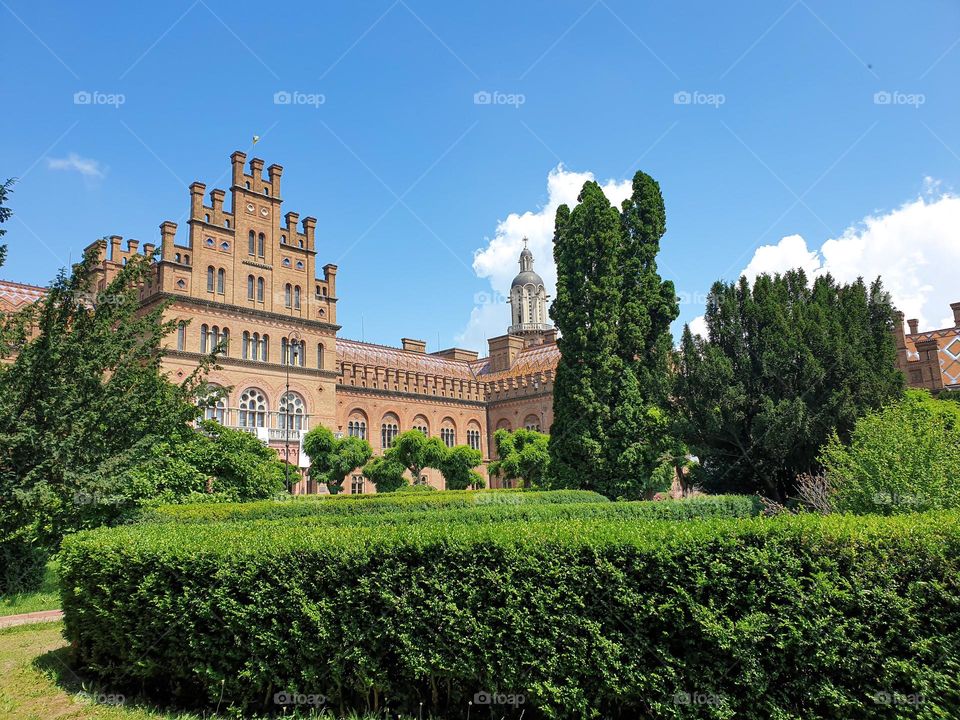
{"x": 256, "y": 139}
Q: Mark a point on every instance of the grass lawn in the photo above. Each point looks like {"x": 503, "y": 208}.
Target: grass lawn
{"x": 37, "y": 683}
{"x": 46, "y": 598}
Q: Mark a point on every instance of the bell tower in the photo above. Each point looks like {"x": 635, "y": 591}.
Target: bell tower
{"x": 528, "y": 299}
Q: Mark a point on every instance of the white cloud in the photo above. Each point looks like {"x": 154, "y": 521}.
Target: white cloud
{"x": 87, "y": 167}
{"x": 498, "y": 261}
{"x": 915, "y": 249}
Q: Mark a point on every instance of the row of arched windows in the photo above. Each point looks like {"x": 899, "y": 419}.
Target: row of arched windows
{"x": 291, "y": 296}
{"x": 255, "y": 347}
{"x": 213, "y": 338}
{"x": 216, "y": 279}
{"x": 253, "y": 410}
{"x": 390, "y": 428}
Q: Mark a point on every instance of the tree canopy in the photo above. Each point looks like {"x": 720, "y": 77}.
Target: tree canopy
{"x": 523, "y": 455}
{"x": 332, "y": 458}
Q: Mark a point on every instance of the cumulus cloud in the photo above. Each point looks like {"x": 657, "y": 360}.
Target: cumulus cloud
{"x": 498, "y": 260}
{"x": 915, "y": 249}
{"x": 87, "y": 167}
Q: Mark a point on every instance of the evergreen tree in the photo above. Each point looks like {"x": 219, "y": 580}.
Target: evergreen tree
{"x": 785, "y": 364}
{"x": 586, "y": 245}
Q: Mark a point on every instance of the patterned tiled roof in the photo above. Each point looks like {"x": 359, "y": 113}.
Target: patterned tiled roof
{"x": 948, "y": 351}
{"x": 14, "y": 295}
{"x": 361, "y": 353}
{"x": 532, "y": 360}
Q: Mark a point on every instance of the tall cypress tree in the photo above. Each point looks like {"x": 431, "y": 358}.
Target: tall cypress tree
{"x": 637, "y": 439}
{"x": 586, "y": 248}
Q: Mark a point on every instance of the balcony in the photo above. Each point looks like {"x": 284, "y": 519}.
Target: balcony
{"x": 520, "y": 328}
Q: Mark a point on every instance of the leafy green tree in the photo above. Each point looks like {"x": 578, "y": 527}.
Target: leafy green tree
{"x": 457, "y": 467}
{"x": 523, "y": 455}
{"x": 84, "y": 400}
{"x": 415, "y": 451}
{"x": 387, "y": 474}
{"x": 5, "y": 214}
{"x": 902, "y": 458}
{"x": 785, "y": 365}
{"x": 332, "y": 458}
{"x": 586, "y": 242}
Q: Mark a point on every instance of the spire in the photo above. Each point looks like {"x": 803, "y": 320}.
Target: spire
{"x": 526, "y": 258}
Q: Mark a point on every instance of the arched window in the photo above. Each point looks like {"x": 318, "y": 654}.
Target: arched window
{"x": 253, "y": 408}
{"x": 356, "y": 485}
{"x": 245, "y": 346}
{"x": 287, "y": 292}
{"x": 206, "y": 217}
{"x": 214, "y": 339}
{"x": 532, "y": 422}
{"x": 260, "y": 244}
{"x": 283, "y": 239}
{"x": 265, "y": 348}
{"x": 249, "y": 287}
{"x": 210, "y": 279}
{"x": 388, "y": 431}
{"x": 225, "y": 342}
{"x": 357, "y": 428}
{"x": 176, "y": 257}
{"x": 448, "y": 433}
{"x": 320, "y": 356}
{"x": 292, "y": 411}
{"x": 284, "y": 351}
{"x": 181, "y": 335}
{"x": 254, "y": 346}
{"x": 420, "y": 423}
{"x": 204, "y": 331}
{"x": 260, "y": 289}
{"x": 221, "y": 280}
{"x": 473, "y": 438}
{"x": 252, "y": 243}
{"x": 214, "y": 404}
{"x": 296, "y": 297}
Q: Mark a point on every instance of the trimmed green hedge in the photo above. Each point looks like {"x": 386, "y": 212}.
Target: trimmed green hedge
{"x": 719, "y": 506}
{"x": 301, "y": 506}
{"x": 789, "y": 617}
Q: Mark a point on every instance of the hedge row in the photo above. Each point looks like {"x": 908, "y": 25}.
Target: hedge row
{"x": 714, "y": 506}
{"x": 789, "y": 617}
{"x": 362, "y": 504}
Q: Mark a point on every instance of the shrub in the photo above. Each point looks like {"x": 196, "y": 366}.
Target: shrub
{"x": 791, "y": 617}
{"x": 362, "y": 504}
{"x": 903, "y": 458}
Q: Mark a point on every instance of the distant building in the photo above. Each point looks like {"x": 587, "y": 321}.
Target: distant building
{"x": 930, "y": 359}
{"x": 247, "y": 277}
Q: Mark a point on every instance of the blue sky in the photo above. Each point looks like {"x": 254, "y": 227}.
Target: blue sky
{"x": 784, "y": 135}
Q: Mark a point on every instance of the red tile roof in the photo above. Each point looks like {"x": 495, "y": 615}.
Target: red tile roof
{"x": 14, "y": 295}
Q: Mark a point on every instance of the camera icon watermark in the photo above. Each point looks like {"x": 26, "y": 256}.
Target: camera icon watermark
{"x": 296, "y": 97}
{"x": 95, "y": 498}
{"x": 491, "y": 297}
{"x": 485, "y": 97}
{"x": 103, "y": 698}
{"x": 696, "y": 698}
{"x": 95, "y": 97}
{"x": 884, "y": 697}
{"x": 895, "y": 97}
{"x": 692, "y": 298}
{"x": 491, "y": 698}
{"x": 696, "y": 97}
{"x": 294, "y": 698}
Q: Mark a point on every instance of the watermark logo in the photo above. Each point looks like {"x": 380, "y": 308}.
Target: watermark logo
{"x": 95, "y": 498}
{"x": 296, "y": 97}
{"x": 103, "y": 698}
{"x": 291, "y": 698}
{"x": 696, "y": 698}
{"x": 883, "y": 697}
{"x": 491, "y": 297}
{"x": 692, "y": 298}
{"x": 895, "y": 97}
{"x": 95, "y": 97}
{"x": 491, "y": 698}
{"x": 485, "y": 97}
{"x": 696, "y": 97}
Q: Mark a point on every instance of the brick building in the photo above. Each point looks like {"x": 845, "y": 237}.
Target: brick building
{"x": 246, "y": 278}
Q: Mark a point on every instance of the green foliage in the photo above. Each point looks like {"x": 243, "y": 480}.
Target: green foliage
{"x": 415, "y": 451}
{"x": 5, "y": 214}
{"x": 83, "y": 403}
{"x": 332, "y": 459}
{"x": 325, "y": 506}
{"x": 786, "y": 363}
{"x": 406, "y": 488}
{"x": 903, "y": 458}
{"x": 613, "y": 312}
{"x": 790, "y": 617}
{"x": 523, "y": 455}
{"x": 457, "y": 467}
{"x": 387, "y": 475}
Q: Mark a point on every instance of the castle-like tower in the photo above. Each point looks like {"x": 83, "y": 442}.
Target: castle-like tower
{"x": 528, "y": 299}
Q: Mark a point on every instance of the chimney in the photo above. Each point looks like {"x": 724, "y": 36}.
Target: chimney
{"x": 913, "y": 323}
{"x": 411, "y": 345}
{"x": 238, "y": 159}
{"x": 956, "y": 313}
{"x": 197, "y": 190}
{"x": 216, "y": 200}
{"x": 275, "y": 171}
{"x": 309, "y": 226}
{"x": 168, "y": 231}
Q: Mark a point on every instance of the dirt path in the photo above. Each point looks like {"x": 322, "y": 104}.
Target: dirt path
{"x": 30, "y": 618}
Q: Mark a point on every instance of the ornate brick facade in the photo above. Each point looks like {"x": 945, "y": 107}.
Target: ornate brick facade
{"x": 246, "y": 279}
